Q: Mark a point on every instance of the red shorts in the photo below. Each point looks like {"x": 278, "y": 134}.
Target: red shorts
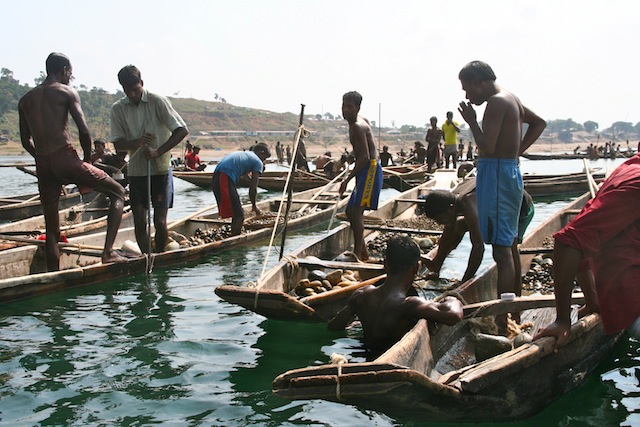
{"x": 64, "y": 167}
{"x": 229, "y": 205}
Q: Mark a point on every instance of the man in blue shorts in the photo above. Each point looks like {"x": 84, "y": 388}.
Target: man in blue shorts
{"x": 146, "y": 125}
{"x": 500, "y": 142}
{"x": 367, "y": 171}
{"x": 225, "y": 181}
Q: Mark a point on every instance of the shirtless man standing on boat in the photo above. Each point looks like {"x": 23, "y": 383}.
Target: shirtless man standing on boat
{"x": 385, "y": 311}
{"x": 500, "y": 143}
{"x": 367, "y": 171}
{"x": 44, "y": 132}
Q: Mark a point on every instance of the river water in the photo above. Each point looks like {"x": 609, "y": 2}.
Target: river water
{"x": 165, "y": 350}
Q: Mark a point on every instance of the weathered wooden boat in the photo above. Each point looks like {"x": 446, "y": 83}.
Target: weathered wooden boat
{"x": 548, "y": 185}
{"x": 432, "y": 373}
{"x": 77, "y": 220}
{"x": 269, "y": 180}
{"x": 404, "y": 177}
{"x": 22, "y": 268}
{"x": 27, "y": 205}
{"x": 551, "y": 156}
{"x": 274, "y": 294}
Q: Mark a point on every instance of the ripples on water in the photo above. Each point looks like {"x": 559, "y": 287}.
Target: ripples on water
{"x": 165, "y": 350}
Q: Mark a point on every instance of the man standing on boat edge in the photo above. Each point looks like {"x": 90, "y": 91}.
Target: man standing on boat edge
{"x": 500, "y": 142}
{"x": 44, "y": 132}
{"x": 367, "y": 171}
{"x": 601, "y": 248}
{"x": 146, "y": 125}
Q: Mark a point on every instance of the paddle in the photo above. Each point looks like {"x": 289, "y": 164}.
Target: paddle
{"x": 593, "y": 186}
{"x": 495, "y": 307}
{"x": 149, "y": 263}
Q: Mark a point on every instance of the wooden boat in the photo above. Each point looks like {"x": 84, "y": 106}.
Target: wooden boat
{"x": 74, "y": 221}
{"x": 269, "y": 180}
{"x": 274, "y": 295}
{"x": 404, "y": 177}
{"x": 557, "y": 156}
{"x": 21, "y": 269}
{"x": 27, "y": 205}
{"x": 548, "y": 185}
{"x": 432, "y": 372}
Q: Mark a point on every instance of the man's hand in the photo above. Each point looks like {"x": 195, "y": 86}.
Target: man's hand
{"x": 561, "y": 331}
{"x": 467, "y": 112}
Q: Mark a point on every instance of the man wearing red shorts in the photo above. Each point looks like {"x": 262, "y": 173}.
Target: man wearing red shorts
{"x": 44, "y": 132}
{"x": 601, "y": 246}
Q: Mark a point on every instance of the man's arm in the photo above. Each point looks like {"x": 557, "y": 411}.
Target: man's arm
{"x": 448, "y": 310}
{"x": 25, "y": 132}
{"x": 83, "y": 129}
{"x": 342, "y": 319}
{"x": 487, "y": 137}
{"x": 358, "y": 135}
{"x": 534, "y": 130}
{"x": 253, "y": 191}
{"x": 475, "y": 235}
{"x": 177, "y": 135}
{"x": 448, "y": 242}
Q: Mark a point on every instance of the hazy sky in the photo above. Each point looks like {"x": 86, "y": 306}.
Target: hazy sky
{"x": 564, "y": 59}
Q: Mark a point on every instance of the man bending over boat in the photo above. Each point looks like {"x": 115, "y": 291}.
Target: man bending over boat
{"x": 44, "y": 132}
{"x": 385, "y": 311}
{"x": 601, "y": 248}
{"x": 367, "y": 171}
{"x": 458, "y": 211}
{"x": 225, "y": 181}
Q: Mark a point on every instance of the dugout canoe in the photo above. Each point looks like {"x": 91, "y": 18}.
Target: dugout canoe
{"x": 404, "y": 177}
{"x": 274, "y": 295}
{"x": 269, "y": 180}
{"x": 22, "y": 268}
{"x": 432, "y": 372}
{"x": 560, "y": 184}
{"x": 27, "y": 205}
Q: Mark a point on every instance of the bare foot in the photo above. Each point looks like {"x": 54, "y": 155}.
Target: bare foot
{"x": 113, "y": 256}
{"x": 586, "y": 310}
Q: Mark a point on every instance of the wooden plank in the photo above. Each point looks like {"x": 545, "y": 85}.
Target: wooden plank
{"x": 315, "y": 202}
{"x": 345, "y": 265}
{"x": 494, "y": 307}
{"x": 533, "y": 251}
{"x": 401, "y": 230}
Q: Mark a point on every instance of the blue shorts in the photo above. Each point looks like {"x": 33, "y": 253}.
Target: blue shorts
{"x": 368, "y": 186}
{"x": 499, "y": 190}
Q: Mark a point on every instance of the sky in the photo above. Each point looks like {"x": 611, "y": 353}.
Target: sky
{"x": 564, "y": 58}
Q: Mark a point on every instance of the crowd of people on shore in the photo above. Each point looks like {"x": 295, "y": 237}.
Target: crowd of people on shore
{"x": 495, "y": 210}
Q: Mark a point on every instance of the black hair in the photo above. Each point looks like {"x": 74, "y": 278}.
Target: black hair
{"x": 56, "y": 62}
{"x": 436, "y": 202}
{"x": 476, "y": 71}
{"x": 129, "y": 76}
{"x": 402, "y": 253}
{"x": 353, "y": 96}
{"x": 261, "y": 147}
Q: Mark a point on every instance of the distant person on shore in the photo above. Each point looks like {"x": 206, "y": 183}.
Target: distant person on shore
{"x": 499, "y": 184}
{"x": 386, "y": 311}
{"x": 147, "y": 126}
{"x": 225, "y": 181}
{"x": 469, "y": 151}
{"x": 289, "y": 155}
{"x": 44, "y": 133}
{"x": 192, "y": 160}
{"x": 386, "y": 158}
{"x": 279, "y": 154}
{"x": 450, "y": 129}
{"x": 604, "y": 255}
{"x": 458, "y": 211}
{"x": 433, "y": 138}
{"x": 301, "y": 156}
{"x": 419, "y": 153}
{"x": 367, "y": 171}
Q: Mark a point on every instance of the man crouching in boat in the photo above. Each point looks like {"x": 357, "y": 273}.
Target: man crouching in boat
{"x": 385, "y": 311}
{"x": 44, "y": 132}
{"x": 601, "y": 248}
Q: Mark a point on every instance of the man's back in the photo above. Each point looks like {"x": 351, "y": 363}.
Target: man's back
{"x": 46, "y": 110}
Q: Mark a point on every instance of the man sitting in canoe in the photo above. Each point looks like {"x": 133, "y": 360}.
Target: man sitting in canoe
{"x": 385, "y": 311}
{"x": 601, "y": 248}
{"x": 225, "y": 180}
{"x": 458, "y": 211}
{"x": 44, "y": 132}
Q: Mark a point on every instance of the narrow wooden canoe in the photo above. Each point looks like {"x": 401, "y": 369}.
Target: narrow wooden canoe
{"x": 432, "y": 372}
{"x": 21, "y": 269}
{"x": 27, "y": 205}
{"x": 548, "y": 185}
{"x": 274, "y": 295}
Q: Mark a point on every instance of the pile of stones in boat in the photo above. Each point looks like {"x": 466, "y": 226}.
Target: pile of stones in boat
{"x": 539, "y": 278}
{"x": 320, "y": 281}
{"x": 378, "y": 246}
